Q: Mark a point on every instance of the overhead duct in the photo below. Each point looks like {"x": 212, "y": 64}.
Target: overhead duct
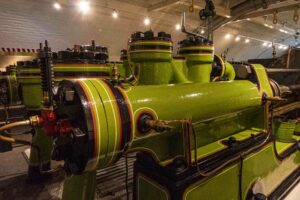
{"x": 241, "y": 9}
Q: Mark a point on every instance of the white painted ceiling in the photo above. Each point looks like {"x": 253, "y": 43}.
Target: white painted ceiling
{"x": 25, "y": 23}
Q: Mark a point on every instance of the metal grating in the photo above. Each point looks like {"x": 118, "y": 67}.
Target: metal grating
{"x": 111, "y": 181}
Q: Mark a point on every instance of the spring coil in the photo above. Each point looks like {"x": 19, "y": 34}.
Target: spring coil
{"x": 47, "y": 74}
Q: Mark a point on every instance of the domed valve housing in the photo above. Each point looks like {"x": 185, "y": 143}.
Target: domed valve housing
{"x": 92, "y": 53}
{"x": 153, "y": 54}
{"x": 199, "y": 54}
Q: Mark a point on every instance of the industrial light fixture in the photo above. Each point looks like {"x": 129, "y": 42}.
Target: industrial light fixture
{"x": 269, "y": 26}
{"x": 247, "y": 40}
{"x": 115, "y": 14}
{"x": 270, "y": 45}
{"x": 147, "y": 21}
{"x": 285, "y": 47}
{"x": 237, "y": 38}
{"x": 265, "y": 44}
{"x": 83, "y": 6}
{"x": 56, "y": 6}
{"x": 177, "y": 27}
{"x": 227, "y": 36}
{"x": 202, "y": 31}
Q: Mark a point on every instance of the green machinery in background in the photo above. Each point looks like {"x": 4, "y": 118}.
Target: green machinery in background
{"x": 202, "y": 129}
{"x": 84, "y": 61}
{"x": 9, "y": 88}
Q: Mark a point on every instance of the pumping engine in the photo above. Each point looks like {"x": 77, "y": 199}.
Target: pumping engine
{"x": 203, "y": 128}
{"x": 89, "y": 61}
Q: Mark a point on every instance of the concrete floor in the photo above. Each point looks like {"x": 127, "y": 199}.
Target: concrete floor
{"x": 14, "y": 184}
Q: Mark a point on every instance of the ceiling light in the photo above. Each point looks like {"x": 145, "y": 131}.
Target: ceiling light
{"x": 285, "y": 47}
{"x": 280, "y": 47}
{"x": 202, "y": 31}
{"x": 115, "y": 14}
{"x": 83, "y": 6}
{"x": 57, "y": 6}
{"x": 227, "y": 36}
{"x": 247, "y": 40}
{"x": 269, "y": 45}
{"x": 238, "y": 38}
{"x": 248, "y": 19}
{"x": 146, "y": 21}
{"x": 177, "y": 27}
{"x": 228, "y": 16}
{"x": 265, "y": 44}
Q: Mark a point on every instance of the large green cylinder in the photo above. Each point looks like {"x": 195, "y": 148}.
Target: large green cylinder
{"x": 114, "y": 122}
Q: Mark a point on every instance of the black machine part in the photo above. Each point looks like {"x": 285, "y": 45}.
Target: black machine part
{"x": 47, "y": 74}
{"x": 208, "y": 11}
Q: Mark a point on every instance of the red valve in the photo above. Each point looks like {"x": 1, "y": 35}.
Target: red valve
{"x": 53, "y": 127}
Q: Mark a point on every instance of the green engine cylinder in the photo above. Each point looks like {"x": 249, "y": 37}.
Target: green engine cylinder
{"x": 153, "y": 55}
{"x": 86, "y": 61}
{"x": 117, "y": 121}
{"x": 30, "y": 82}
{"x": 9, "y": 90}
{"x": 199, "y": 55}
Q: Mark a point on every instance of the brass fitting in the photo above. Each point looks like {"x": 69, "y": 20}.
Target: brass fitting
{"x": 34, "y": 120}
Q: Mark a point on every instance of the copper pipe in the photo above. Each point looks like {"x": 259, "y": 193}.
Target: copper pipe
{"x": 14, "y": 124}
{"x": 7, "y": 139}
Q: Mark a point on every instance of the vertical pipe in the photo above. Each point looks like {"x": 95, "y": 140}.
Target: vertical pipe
{"x": 288, "y": 58}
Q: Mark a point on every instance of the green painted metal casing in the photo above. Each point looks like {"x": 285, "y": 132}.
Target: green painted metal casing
{"x": 199, "y": 61}
{"x": 219, "y": 102}
{"x": 154, "y": 64}
{"x": 30, "y": 79}
{"x": 284, "y": 130}
{"x": 11, "y": 96}
{"x": 261, "y": 169}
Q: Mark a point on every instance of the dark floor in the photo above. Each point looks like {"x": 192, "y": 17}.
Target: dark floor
{"x": 14, "y": 185}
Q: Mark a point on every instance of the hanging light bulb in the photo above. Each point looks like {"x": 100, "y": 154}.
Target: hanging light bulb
{"x": 202, "y": 31}
{"x": 177, "y": 27}
{"x": 265, "y": 44}
{"x": 83, "y": 6}
{"x": 270, "y": 45}
{"x": 247, "y": 41}
{"x": 147, "y": 21}
{"x": 115, "y": 14}
{"x": 238, "y": 38}
{"x": 56, "y": 6}
{"x": 227, "y": 36}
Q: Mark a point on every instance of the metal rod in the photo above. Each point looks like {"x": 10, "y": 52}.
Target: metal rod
{"x": 280, "y": 70}
{"x": 183, "y": 29}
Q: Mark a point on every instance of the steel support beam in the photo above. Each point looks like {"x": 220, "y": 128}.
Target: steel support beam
{"x": 239, "y": 10}
{"x": 161, "y": 5}
{"x": 221, "y": 11}
{"x": 270, "y": 11}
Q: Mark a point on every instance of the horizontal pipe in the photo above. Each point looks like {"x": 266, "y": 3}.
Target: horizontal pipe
{"x": 279, "y": 70}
